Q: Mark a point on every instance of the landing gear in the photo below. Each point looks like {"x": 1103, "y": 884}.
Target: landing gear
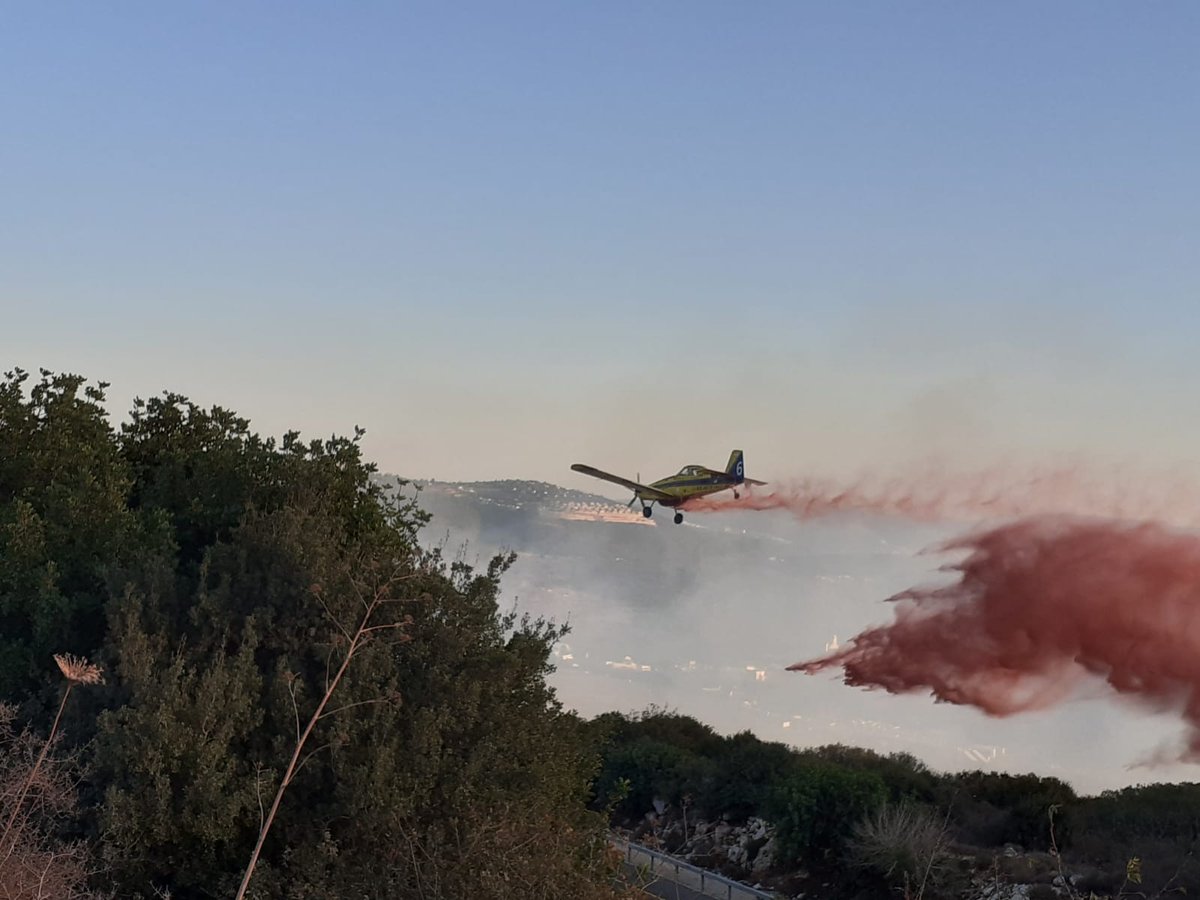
{"x": 678, "y": 518}
{"x": 737, "y": 496}
{"x": 646, "y": 512}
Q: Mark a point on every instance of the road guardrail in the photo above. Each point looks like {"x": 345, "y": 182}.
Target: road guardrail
{"x": 708, "y": 883}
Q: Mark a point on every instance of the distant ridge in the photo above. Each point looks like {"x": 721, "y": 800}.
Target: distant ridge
{"x": 518, "y": 494}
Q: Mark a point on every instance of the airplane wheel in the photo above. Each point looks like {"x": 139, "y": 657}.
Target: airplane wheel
{"x": 646, "y": 511}
{"x": 678, "y": 518}
{"x": 737, "y": 496}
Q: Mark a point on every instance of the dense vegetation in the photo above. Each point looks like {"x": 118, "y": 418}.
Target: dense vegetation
{"x": 220, "y": 580}
{"x": 869, "y": 825}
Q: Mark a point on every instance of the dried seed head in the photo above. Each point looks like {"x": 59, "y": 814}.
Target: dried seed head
{"x": 78, "y": 670}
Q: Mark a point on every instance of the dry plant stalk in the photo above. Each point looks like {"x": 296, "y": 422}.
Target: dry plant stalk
{"x": 76, "y": 671}
{"x": 31, "y": 869}
{"x": 357, "y": 639}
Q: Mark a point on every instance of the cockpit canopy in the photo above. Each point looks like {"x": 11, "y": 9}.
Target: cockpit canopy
{"x": 693, "y": 470}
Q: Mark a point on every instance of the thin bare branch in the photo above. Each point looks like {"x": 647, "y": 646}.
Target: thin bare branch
{"x": 328, "y": 659}
{"x": 295, "y": 707}
{"x": 331, "y": 712}
{"x": 361, "y": 635}
{"x": 332, "y": 617}
{"x": 390, "y": 627}
{"x": 258, "y": 793}
{"x": 307, "y": 757}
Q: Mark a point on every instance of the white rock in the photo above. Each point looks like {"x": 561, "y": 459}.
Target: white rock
{"x": 765, "y": 858}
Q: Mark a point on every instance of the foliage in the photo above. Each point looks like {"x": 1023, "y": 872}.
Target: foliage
{"x": 1145, "y": 834}
{"x": 815, "y": 808}
{"x": 637, "y": 773}
{"x": 219, "y": 577}
{"x": 1145, "y": 811}
{"x": 746, "y": 771}
{"x": 997, "y": 808}
{"x": 907, "y": 778}
{"x": 64, "y": 522}
{"x": 667, "y": 727}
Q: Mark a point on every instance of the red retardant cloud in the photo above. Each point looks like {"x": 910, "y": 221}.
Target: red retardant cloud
{"x": 1039, "y": 605}
{"x": 997, "y": 493}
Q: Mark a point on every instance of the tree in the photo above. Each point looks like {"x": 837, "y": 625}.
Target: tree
{"x": 64, "y": 522}
{"x": 220, "y": 577}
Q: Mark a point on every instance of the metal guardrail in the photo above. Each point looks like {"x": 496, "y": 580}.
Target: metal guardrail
{"x": 700, "y": 879}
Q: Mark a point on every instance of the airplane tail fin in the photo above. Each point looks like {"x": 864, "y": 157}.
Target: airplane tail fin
{"x": 736, "y": 466}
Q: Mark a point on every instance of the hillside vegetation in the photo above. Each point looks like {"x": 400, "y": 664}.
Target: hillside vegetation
{"x": 235, "y": 615}
{"x": 838, "y": 821}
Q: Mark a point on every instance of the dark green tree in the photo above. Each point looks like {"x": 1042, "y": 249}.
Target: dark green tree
{"x": 817, "y": 806}
{"x": 64, "y": 522}
{"x": 220, "y": 578}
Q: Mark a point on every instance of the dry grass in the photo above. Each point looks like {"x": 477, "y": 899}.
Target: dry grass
{"x": 36, "y": 791}
{"x": 903, "y": 843}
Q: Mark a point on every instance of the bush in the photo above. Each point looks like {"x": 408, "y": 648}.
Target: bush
{"x": 900, "y": 842}
{"x": 816, "y": 807}
{"x": 1011, "y": 808}
{"x": 665, "y": 727}
{"x": 746, "y": 772}
{"x": 636, "y": 774}
{"x": 906, "y": 777}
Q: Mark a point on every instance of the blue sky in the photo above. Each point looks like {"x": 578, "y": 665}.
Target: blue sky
{"x": 508, "y": 237}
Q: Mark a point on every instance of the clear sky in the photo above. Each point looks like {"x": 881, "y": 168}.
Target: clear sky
{"x": 505, "y": 237}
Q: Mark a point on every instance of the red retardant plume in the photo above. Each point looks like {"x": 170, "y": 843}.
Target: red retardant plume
{"x": 998, "y": 493}
{"x": 1038, "y": 606}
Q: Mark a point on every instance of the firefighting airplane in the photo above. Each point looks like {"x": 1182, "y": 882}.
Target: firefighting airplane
{"x": 692, "y": 481}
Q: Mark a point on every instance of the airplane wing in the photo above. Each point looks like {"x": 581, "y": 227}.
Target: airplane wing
{"x": 647, "y": 492}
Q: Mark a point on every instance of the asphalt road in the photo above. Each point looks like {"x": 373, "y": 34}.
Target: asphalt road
{"x": 668, "y": 890}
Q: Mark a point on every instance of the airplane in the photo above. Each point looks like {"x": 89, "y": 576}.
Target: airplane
{"x": 675, "y": 490}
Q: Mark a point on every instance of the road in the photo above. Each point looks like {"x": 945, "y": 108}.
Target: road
{"x": 660, "y": 887}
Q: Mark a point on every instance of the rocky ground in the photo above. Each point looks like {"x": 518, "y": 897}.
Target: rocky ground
{"x": 748, "y": 852}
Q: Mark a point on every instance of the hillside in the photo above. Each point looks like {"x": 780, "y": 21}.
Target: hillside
{"x": 548, "y": 500}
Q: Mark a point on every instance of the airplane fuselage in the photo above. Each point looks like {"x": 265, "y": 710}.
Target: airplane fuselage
{"x": 684, "y": 487}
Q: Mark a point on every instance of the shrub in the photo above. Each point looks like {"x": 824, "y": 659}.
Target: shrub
{"x": 816, "y": 807}
{"x": 637, "y": 773}
{"x": 1023, "y": 804}
{"x": 901, "y": 842}
{"x": 746, "y": 772}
